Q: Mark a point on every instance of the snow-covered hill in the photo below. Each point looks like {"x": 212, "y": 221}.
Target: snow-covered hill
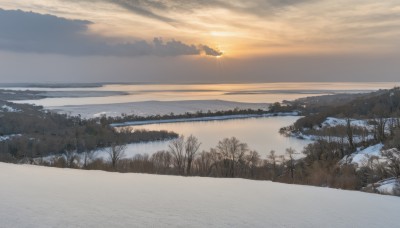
{"x": 33, "y": 196}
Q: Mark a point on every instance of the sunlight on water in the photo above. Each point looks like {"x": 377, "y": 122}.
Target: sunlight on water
{"x": 253, "y": 93}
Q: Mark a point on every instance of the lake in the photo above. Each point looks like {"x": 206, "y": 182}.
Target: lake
{"x": 261, "y": 134}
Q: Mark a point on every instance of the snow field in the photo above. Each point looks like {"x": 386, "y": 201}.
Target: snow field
{"x": 34, "y": 196}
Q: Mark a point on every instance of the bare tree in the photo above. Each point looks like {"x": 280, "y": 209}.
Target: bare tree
{"x": 272, "y": 158}
{"x": 380, "y": 119}
{"x": 252, "y": 160}
{"x": 349, "y": 131}
{"x": 290, "y": 152}
{"x": 216, "y": 159}
{"x": 364, "y": 134}
{"x": 203, "y": 163}
{"x": 232, "y": 152}
{"x": 162, "y": 161}
{"x": 192, "y": 146}
{"x": 88, "y": 157}
{"x": 392, "y": 125}
{"x": 394, "y": 142}
{"x": 176, "y": 147}
{"x": 71, "y": 157}
{"x": 282, "y": 161}
{"x": 380, "y": 126}
{"x": 115, "y": 153}
{"x": 393, "y": 161}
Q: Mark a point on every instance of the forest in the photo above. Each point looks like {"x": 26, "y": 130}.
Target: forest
{"x": 30, "y": 132}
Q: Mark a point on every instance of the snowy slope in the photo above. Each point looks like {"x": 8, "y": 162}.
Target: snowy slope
{"x": 332, "y": 122}
{"x": 33, "y": 196}
{"x": 361, "y": 156}
{"x": 389, "y": 186}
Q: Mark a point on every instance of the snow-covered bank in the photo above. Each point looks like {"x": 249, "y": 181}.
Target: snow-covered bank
{"x": 209, "y": 118}
{"x": 7, "y": 137}
{"x": 133, "y": 149}
{"x": 322, "y": 132}
{"x": 361, "y": 156}
{"x": 34, "y": 196}
{"x": 332, "y": 122}
{"x": 155, "y": 107}
{"x": 389, "y": 186}
{"x": 6, "y": 108}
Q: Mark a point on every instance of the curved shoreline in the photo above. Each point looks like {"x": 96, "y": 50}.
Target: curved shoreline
{"x": 196, "y": 119}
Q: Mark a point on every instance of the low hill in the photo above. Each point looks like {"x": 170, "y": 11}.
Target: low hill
{"x": 381, "y": 103}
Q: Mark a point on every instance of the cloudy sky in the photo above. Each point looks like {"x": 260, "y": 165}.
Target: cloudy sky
{"x": 199, "y": 41}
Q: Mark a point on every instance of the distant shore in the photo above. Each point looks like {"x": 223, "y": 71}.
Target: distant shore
{"x": 196, "y": 119}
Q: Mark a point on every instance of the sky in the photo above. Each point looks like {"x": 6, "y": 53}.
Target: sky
{"x": 203, "y": 41}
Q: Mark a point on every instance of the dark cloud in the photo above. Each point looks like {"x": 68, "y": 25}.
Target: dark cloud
{"x": 144, "y": 8}
{"x": 160, "y": 9}
{"x": 38, "y": 33}
{"x": 209, "y": 51}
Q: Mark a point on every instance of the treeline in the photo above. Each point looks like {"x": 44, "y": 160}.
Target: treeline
{"x": 380, "y": 110}
{"x": 131, "y": 118}
{"x": 37, "y": 133}
{"x": 20, "y": 95}
{"x": 319, "y": 165}
{"x": 375, "y": 105}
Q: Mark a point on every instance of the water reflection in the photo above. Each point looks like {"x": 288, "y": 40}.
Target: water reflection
{"x": 261, "y": 134}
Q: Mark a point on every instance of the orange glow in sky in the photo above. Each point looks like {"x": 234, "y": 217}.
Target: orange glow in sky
{"x": 241, "y": 29}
